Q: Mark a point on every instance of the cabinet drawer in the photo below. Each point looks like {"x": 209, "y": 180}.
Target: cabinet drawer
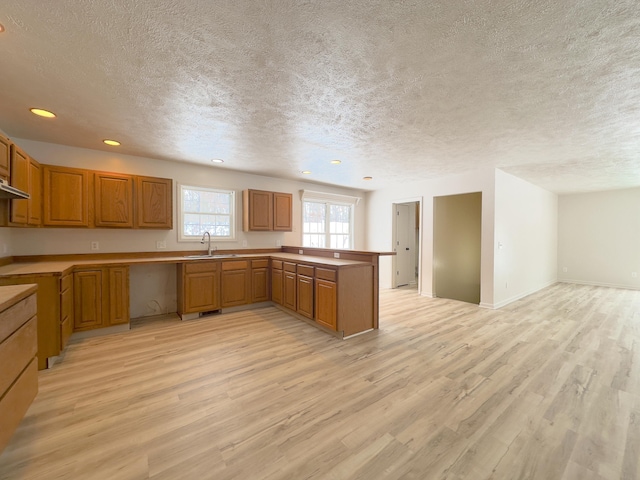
{"x": 326, "y": 274}
{"x": 259, "y": 263}
{"x": 277, "y": 264}
{"x": 201, "y": 267}
{"x": 305, "y": 270}
{"x": 66, "y": 282}
{"x": 235, "y": 265}
{"x": 13, "y": 317}
{"x": 289, "y": 267}
{"x": 16, "y": 352}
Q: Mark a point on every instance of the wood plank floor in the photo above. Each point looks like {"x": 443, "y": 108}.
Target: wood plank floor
{"x": 545, "y": 388}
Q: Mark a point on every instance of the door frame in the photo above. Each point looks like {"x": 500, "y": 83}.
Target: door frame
{"x": 394, "y": 239}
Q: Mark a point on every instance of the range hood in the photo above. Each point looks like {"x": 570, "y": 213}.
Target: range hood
{"x": 7, "y": 191}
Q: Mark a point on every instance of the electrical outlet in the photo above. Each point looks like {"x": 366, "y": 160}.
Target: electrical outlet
{"x": 565, "y": 269}
{"x": 95, "y": 245}
{"x": 634, "y": 274}
{"x": 160, "y": 244}
{"x": 300, "y": 252}
{"x": 244, "y": 243}
{"x": 336, "y": 255}
{"x": 278, "y": 243}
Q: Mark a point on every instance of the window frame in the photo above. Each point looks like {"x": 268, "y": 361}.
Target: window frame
{"x": 181, "y": 213}
{"x": 329, "y": 199}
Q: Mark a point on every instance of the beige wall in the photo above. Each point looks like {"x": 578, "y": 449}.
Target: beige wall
{"x": 599, "y": 238}
{"x": 457, "y": 230}
{"x": 76, "y": 240}
{"x": 526, "y": 238}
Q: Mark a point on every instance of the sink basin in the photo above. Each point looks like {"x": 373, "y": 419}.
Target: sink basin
{"x": 222, "y": 255}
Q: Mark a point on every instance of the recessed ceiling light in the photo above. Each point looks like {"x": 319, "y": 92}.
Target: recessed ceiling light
{"x": 306, "y": 172}
{"x": 1, "y": 28}
{"x": 42, "y": 113}
{"x": 336, "y": 162}
{"x": 217, "y": 160}
{"x": 112, "y": 143}
{"x": 367, "y": 178}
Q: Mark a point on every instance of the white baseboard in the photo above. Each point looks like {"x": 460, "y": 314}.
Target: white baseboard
{"x": 599, "y": 284}
{"x": 503, "y": 303}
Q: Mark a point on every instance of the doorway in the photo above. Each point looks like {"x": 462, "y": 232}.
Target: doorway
{"x": 457, "y": 233}
{"x": 406, "y": 244}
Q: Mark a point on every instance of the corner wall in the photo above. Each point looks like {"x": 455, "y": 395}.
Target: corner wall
{"x": 599, "y": 238}
{"x": 526, "y": 238}
{"x": 379, "y": 232}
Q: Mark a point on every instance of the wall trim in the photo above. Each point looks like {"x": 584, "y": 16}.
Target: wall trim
{"x": 496, "y": 306}
{"x": 600, "y": 284}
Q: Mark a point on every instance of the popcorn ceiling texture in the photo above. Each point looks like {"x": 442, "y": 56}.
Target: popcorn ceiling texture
{"x": 403, "y": 91}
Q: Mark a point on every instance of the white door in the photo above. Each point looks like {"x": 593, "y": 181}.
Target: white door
{"x": 405, "y": 243}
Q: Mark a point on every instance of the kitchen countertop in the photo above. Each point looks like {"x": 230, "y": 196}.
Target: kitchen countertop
{"x": 59, "y": 267}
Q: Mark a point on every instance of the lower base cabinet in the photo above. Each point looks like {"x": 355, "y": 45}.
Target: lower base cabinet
{"x": 18, "y": 362}
{"x": 235, "y": 283}
{"x": 326, "y": 303}
{"x": 101, "y": 297}
{"x": 198, "y": 287}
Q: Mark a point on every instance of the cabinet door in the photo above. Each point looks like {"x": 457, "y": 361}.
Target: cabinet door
{"x": 235, "y": 287}
{"x": 113, "y": 200}
{"x": 87, "y": 294}
{"x": 66, "y": 309}
{"x": 282, "y": 212}
{"x": 65, "y": 196}
{"x": 118, "y": 295}
{"x": 201, "y": 292}
{"x": 289, "y": 290}
{"x": 154, "y": 202}
{"x": 276, "y": 285}
{"x": 257, "y": 210}
{"x": 20, "y": 180}
{"x": 326, "y": 301}
{"x": 259, "y": 285}
{"x": 5, "y": 156}
{"x": 35, "y": 190}
{"x": 305, "y": 296}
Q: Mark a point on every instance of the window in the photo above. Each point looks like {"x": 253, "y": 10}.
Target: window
{"x": 204, "y": 209}
{"x": 327, "y": 220}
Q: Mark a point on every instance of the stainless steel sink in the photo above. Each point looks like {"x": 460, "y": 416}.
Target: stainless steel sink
{"x": 222, "y": 255}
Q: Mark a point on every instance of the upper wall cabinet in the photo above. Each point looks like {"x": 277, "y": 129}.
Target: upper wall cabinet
{"x": 65, "y": 196}
{"x": 5, "y": 155}
{"x": 264, "y": 211}
{"x": 20, "y": 180}
{"x": 154, "y": 202}
{"x": 113, "y": 200}
{"x": 35, "y": 191}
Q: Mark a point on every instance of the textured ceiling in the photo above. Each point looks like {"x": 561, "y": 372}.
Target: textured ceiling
{"x": 401, "y": 91}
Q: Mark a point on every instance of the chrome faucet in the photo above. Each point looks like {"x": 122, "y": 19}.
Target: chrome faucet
{"x": 207, "y": 234}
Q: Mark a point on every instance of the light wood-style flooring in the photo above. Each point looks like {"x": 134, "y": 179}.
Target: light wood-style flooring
{"x": 545, "y": 388}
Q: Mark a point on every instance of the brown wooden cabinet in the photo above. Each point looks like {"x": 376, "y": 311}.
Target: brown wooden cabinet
{"x": 66, "y": 199}
{"x": 101, "y": 297}
{"x": 198, "y": 287}
{"x": 276, "y": 281}
{"x": 282, "y": 212}
{"x": 305, "y": 296}
{"x": 235, "y": 283}
{"x": 87, "y": 294}
{"x": 154, "y": 202}
{"x": 289, "y": 283}
{"x": 118, "y": 295}
{"x": 34, "y": 205}
{"x": 19, "y": 179}
{"x": 260, "y": 280}
{"x": 66, "y": 309}
{"x": 5, "y": 157}
{"x": 113, "y": 200}
{"x": 264, "y": 211}
{"x": 325, "y": 298}
{"x": 18, "y": 347}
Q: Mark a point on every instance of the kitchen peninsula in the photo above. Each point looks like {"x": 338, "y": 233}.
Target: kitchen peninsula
{"x": 335, "y": 290}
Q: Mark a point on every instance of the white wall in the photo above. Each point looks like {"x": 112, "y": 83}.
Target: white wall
{"x": 380, "y": 224}
{"x": 526, "y": 238}
{"x": 599, "y": 238}
{"x": 77, "y": 240}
